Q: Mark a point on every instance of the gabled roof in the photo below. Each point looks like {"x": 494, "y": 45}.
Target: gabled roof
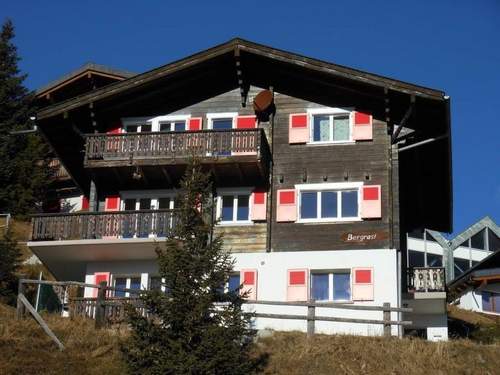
{"x": 85, "y": 69}
{"x": 235, "y": 46}
{"x": 485, "y": 222}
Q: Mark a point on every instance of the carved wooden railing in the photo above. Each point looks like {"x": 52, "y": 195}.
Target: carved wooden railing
{"x": 95, "y": 225}
{"x": 58, "y": 171}
{"x": 426, "y": 279}
{"x": 114, "y": 308}
{"x": 171, "y": 145}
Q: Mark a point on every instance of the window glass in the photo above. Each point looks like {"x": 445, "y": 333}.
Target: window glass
{"x": 145, "y": 204}
{"x": 465, "y": 243}
{"x": 132, "y": 128}
{"x": 341, "y": 286}
{"x": 341, "y": 128}
{"x": 493, "y": 241}
{"x": 434, "y": 260}
{"x": 145, "y": 128}
{"x": 135, "y": 283}
{"x": 120, "y": 282}
{"x": 179, "y": 126}
{"x": 495, "y": 297}
{"x": 416, "y": 258}
{"x": 165, "y": 127}
{"x": 129, "y": 204}
{"x": 429, "y": 237}
{"x": 329, "y": 204}
{"x": 416, "y": 233}
{"x": 308, "y": 205}
{"x": 486, "y": 298}
{"x": 164, "y": 203}
{"x": 222, "y": 124}
{"x": 349, "y": 203}
{"x": 243, "y": 210}
{"x": 234, "y": 282}
{"x": 477, "y": 240}
{"x": 155, "y": 283}
{"x": 321, "y": 128}
{"x": 461, "y": 265}
{"x": 227, "y": 208}
{"x": 319, "y": 286}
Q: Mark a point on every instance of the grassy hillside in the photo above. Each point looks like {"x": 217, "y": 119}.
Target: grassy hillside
{"x": 27, "y": 350}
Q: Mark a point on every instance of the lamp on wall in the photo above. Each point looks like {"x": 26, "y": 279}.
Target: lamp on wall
{"x": 137, "y": 174}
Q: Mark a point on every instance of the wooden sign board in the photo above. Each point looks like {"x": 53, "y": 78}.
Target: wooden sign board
{"x": 363, "y": 237}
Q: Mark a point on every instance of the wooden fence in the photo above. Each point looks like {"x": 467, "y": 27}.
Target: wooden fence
{"x": 94, "y": 225}
{"x": 172, "y": 145}
{"x": 107, "y": 309}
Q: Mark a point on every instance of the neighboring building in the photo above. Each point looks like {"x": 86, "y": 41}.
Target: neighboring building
{"x": 478, "y": 288}
{"x": 319, "y": 172}
{"x": 427, "y": 248}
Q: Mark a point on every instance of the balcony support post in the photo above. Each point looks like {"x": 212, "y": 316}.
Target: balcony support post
{"x": 92, "y": 197}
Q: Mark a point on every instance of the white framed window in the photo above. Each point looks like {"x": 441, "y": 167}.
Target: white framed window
{"x": 331, "y": 285}
{"x": 233, "y": 206}
{"x": 329, "y": 202}
{"x": 171, "y": 123}
{"x": 222, "y": 121}
{"x": 330, "y": 125}
{"x": 147, "y": 200}
{"x": 126, "y": 282}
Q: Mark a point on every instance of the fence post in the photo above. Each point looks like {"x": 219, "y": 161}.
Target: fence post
{"x": 311, "y": 313}
{"x": 20, "y": 310}
{"x": 387, "y": 318}
{"x": 100, "y": 308}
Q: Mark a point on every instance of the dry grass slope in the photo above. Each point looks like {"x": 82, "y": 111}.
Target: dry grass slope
{"x": 27, "y": 350}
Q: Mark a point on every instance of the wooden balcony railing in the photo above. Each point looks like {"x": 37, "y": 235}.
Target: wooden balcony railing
{"x": 426, "y": 279}
{"x": 172, "y": 145}
{"x": 96, "y": 225}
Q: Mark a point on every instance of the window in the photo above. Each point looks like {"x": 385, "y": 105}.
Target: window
{"x": 461, "y": 265}
{"x": 491, "y": 301}
{"x": 477, "y": 241}
{"x": 234, "y": 282}
{"x": 434, "y": 260}
{"x": 125, "y": 282}
{"x": 493, "y": 241}
{"x": 137, "y": 126}
{"x": 331, "y": 128}
{"x": 234, "y": 206}
{"x": 416, "y": 258}
{"x": 331, "y": 286}
{"x": 221, "y": 121}
{"x": 319, "y": 203}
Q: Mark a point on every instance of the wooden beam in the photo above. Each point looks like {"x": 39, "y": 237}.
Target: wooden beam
{"x": 240, "y": 172}
{"x": 239, "y": 76}
{"x": 405, "y": 119}
{"x": 166, "y": 175}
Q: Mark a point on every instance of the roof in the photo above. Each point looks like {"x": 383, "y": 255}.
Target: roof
{"x": 239, "y": 44}
{"x": 489, "y": 266}
{"x": 84, "y": 69}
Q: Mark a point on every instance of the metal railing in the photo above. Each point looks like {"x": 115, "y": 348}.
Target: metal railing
{"x": 171, "y": 145}
{"x": 95, "y": 225}
{"x": 426, "y": 279}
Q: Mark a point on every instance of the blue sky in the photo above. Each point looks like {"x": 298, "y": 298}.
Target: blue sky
{"x": 448, "y": 45}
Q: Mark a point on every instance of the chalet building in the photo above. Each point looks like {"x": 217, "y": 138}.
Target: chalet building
{"x": 319, "y": 172}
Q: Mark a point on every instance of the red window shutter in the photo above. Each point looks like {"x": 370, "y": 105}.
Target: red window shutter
{"x": 195, "y": 123}
{"x": 99, "y": 277}
{"x": 371, "y": 204}
{"x": 363, "y": 284}
{"x": 112, "y": 203}
{"x": 249, "y": 277}
{"x": 259, "y": 206}
{"x": 85, "y": 203}
{"x": 115, "y": 128}
{"x": 362, "y": 127}
{"x": 298, "y": 129}
{"x": 286, "y": 209}
{"x": 297, "y": 277}
{"x": 297, "y": 285}
{"x": 246, "y": 122}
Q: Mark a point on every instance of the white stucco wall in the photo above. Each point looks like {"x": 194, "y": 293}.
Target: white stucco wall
{"x": 472, "y": 300}
{"x": 272, "y": 284}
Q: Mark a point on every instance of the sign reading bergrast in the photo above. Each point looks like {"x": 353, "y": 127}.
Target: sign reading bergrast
{"x": 363, "y": 237}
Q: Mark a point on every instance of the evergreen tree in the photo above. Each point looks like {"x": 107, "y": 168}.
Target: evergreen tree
{"x": 24, "y": 169}
{"x": 9, "y": 263}
{"x": 194, "y": 326}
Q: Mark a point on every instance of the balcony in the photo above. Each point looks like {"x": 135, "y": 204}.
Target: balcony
{"x": 427, "y": 282}
{"x": 102, "y": 225}
{"x": 238, "y": 154}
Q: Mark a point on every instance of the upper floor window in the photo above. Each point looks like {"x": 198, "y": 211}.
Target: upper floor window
{"x": 233, "y": 206}
{"x": 137, "y": 125}
{"x": 172, "y": 126}
{"x": 331, "y": 285}
{"x": 329, "y": 202}
{"x": 330, "y": 125}
{"x": 221, "y": 121}
{"x": 126, "y": 282}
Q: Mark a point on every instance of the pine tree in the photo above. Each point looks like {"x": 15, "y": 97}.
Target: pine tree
{"x": 23, "y": 158}
{"x": 9, "y": 263}
{"x": 196, "y": 328}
